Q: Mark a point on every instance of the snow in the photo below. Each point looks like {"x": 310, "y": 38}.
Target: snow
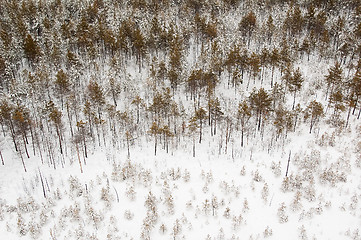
{"x": 329, "y": 216}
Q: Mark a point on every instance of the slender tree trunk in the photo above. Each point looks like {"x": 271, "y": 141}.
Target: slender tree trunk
{"x": 294, "y": 100}
{"x": 42, "y": 183}
{"x": 194, "y": 147}
{"x": 311, "y": 125}
{"x": 26, "y": 149}
{"x": 70, "y": 122}
{"x": 32, "y": 139}
{"x": 2, "y": 159}
{"x": 259, "y": 121}
{"x": 155, "y": 145}
{"x": 85, "y": 147}
{"x": 215, "y": 126}
{"x": 13, "y": 135}
{"x": 77, "y": 151}
{"x": 242, "y": 135}
{"x": 59, "y": 137}
{"x": 348, "y": 116}
{"x": 354, "y": 108}
{"x": 22, "y": 159}
{"x": 200, "y": 132}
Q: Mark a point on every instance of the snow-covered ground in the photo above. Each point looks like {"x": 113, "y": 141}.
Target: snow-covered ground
{"x": 241, "y": 194}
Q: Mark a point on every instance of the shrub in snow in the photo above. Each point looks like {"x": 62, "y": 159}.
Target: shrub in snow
{"x": 267, "y": 232}
{"x": 128, "y": 215}
{"x": 319, "y": 209}
{"x": 186, "y": 175}
{"x": 169, "y": 202}
{"x": 236, "y": 221}
{"x": 145, "y": 177}
{"x": 94, "y": 217}
{"x": 227, "y": 213}
{"x": 2, "y": 211}
{"x": 163, "y": 228}
{"x": 296, "y": 202}
{"x": 206, "y": 207}
{"x": 120, "y": 173}
{"x": 189, "y": 205}
{"x": 332, "y": 176}
{"x": 75, "y": 188}
{"x": 106, "y": 196}
{"x": 130, "y": 193}
{"x": 152, "y": 214}
{"x": 243, "y": 171}
{"x": 205, "y": 188}
{"x": 57, "y": 194}
{"x": 27, "y": 205}
{"x": 245, "y": 206}
{"x": 34, "y": 229}
{"x": 302, "y": 235}
{"x": 257, "y": 176}
{"x": 309, "y": 192}
{"x": 208, "y": 177}
{"x": 22, "y": 228}
{"x": 281, "y": 213}
{"x": 221, "y": 235}
{"x": 174, "y": 174}
{"x": 223, "y": 185}
{"x": 291, "y": 183}
{"x": 276, "y": 168}
{"x": 354, "y": 201}
{"x": 177, "y": 229}
{"x": 356, "y": 235}
{"x": 214, "y": 204}
{"x": 265, "y": 192}
{"x": 79, "y": 232}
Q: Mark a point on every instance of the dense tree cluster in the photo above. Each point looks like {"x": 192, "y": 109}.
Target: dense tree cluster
{"x": 106, "y": 73}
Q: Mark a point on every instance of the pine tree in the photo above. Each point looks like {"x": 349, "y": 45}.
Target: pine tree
{"x": 31, "y": 49}
{"x": 274, "y": 61}
{"x": 62, "y": 85}
{"x": 55, "y": 116}
{"x": 261, "y": 102}
{"x": 154, "y": 131}
{"x": 356, "y": 88}
{"x": 243, "y": 116}
{"x": 247, "y": 26}
{"x": 334, "y": 78}
{"x": 139, "y": 47}
{"x": 313, "y": 111}
{"x": 6, "y": 110}
{"x": 294, "y": 83}
{"x": 215, "y": 114}
{"x": 200, "y": 115}
{"x": 97, "y": 97}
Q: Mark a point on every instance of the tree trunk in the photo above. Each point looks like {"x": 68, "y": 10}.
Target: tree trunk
{"x": 294, "y": 101}
{"x": 242, "y": 134}
{"x": 13, "y": 135}
{"x": 155, "y": 145}
{"x": 42, "y": 183}
{"x": 2, "y": 159}
{"x": 200, "y": 132}
{"x": 77, "y": 151}
{"x": 22, "y": 159}
{"x": 26, "y": 149}
{"x": 348, "y": 116}
{"x": 59, "y": 137}
{"x": 194, "y": 147}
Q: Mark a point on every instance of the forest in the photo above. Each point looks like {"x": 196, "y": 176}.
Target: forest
{"x": 188, "y": 78}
